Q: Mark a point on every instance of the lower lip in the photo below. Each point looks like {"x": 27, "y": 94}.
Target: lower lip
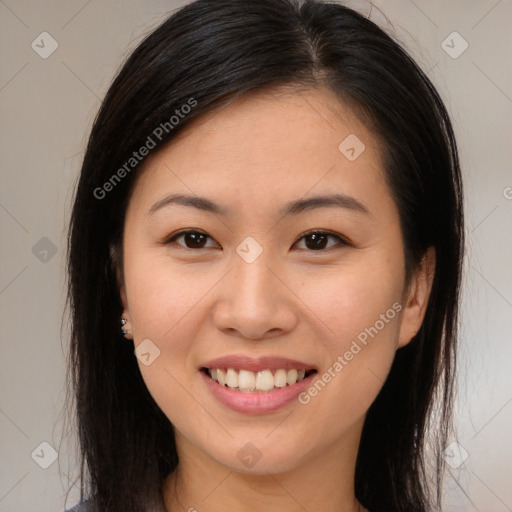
{"x": 256, "y": 403}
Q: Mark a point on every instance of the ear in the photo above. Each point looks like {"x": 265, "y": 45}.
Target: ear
{"x": 116, "y": 260}
{"x": 122, "y": 293}
{"x": 416, "y": 298}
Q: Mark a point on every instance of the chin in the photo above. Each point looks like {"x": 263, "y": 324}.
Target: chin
{"x": 260, "y": 457}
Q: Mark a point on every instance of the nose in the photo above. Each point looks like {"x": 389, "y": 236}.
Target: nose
{"x": 254, "y": 301}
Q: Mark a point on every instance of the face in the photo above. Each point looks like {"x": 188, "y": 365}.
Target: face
{"x": 259, "y": 279}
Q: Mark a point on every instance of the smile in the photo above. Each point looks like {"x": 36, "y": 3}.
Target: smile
{"x": 247, "y": 381}
{"x": 256, "y": 386}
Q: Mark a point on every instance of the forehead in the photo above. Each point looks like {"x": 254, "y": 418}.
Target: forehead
{"x": 268, "y": 147}
{"x": 265, "y": 124}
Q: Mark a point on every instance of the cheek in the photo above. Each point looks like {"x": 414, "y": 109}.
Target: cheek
{"x": 353, "y": 297}
{"x": 165, "y": 306}
{"x": 359, "y": 307}
{"x": 163, "y": 297}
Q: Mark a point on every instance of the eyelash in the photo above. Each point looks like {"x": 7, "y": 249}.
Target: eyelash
{"x": 342, "y": 241}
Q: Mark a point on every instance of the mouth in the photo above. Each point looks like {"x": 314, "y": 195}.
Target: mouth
{"x": 263, "y": 381}
{"x": 256, "y": 386}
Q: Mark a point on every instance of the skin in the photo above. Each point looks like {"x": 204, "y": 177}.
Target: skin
{"x": 196, "y": 304}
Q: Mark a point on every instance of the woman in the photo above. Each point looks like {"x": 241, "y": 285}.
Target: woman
{"x": 265, "y": 258}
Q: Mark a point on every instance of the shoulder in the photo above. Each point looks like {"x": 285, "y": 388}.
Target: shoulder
{"x": 83, "y": 506}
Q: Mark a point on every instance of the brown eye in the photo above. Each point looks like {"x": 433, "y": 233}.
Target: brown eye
{"x": 191, "y": 239}
{"x": 314, "y": 240}
{"x": 319, "y": 240}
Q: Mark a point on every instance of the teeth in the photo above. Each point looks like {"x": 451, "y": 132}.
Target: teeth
{"x": 280, "y": 379}
{"x": 246, "y": 380}
{"x": 232, "y": 378}
{"x": 264, "y": 380}
{"x": 250, "y": 382}
{"x": 291, "y": 377}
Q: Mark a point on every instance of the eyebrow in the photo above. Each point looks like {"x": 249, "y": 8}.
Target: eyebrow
{"x": 291, "y": 208}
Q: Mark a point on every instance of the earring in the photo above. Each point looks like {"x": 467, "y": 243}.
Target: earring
{"x": 123, "y": 322}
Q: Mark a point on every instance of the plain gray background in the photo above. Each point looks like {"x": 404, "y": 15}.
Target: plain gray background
{"x": 47, "y": 107}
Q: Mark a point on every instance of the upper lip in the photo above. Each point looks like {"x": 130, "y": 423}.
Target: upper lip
{"x": 257, "y": 364}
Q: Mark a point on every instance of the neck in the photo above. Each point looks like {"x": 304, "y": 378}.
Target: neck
{"x": 325, "y": 482}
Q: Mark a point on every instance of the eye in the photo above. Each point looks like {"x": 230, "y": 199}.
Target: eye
{"x": 314, "y": 240}
{"x": 318, "y": 240}
{"x": 192, "y": 239}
